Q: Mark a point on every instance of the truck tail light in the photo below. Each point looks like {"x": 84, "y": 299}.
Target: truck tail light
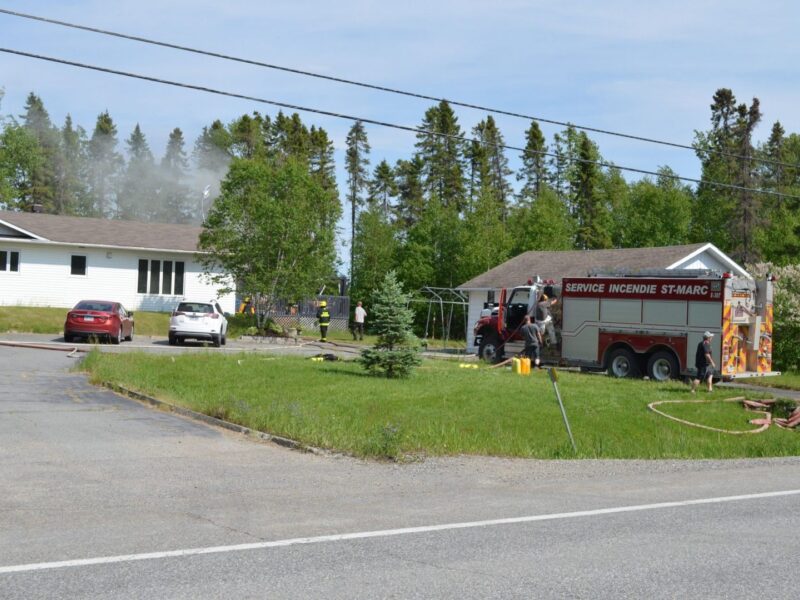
{"x": 727, "y": 275}
{"x": 177, "y": 313}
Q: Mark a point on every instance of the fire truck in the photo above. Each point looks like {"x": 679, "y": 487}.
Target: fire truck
{"x": 635, "y": 325}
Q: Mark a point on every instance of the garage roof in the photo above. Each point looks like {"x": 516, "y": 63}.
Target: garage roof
{"x": 577, "y": 263}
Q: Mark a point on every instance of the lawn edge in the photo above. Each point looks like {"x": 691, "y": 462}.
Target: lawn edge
{"x": 214, "y": 421}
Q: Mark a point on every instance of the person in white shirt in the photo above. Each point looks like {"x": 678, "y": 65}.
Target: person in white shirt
{"x": 358, "y": 326}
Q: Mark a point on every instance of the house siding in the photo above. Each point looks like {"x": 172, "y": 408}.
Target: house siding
{"x": 44, "y": 278}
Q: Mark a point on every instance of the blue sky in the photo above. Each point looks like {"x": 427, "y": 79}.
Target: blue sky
{"x": 646, "y": 68}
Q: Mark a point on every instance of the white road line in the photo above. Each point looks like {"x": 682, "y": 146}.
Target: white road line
{"x": 105, "y": 560}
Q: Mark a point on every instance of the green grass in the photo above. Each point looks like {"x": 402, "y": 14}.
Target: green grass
{"x": 442, "y": 409}
{"x": 789, "y": 380}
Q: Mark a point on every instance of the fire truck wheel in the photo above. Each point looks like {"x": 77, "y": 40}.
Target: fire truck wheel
{"x": 622, "y": 363}
{"x": 662, "y": 366}
{"x": 489, "y": 350}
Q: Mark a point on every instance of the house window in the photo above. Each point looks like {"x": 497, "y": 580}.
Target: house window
{"x": 155, "y": 274}
{"x": 164, "y": 277}
{"x": 179, "y": 278}
{"x": 77, "y": 265}
{"x": 9, "y": 260}
{"x": 142, "y": 288}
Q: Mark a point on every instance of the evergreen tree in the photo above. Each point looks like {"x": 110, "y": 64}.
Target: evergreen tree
{"x": 320, "y": 158}
{"x": 71, "y": 169}
{"x": 382, "y": 188}
{"x": 138, "y": 190}
{"x": 397, "y": 352}
{"x": 410, "y": 201}
{"x": 175, "y": 206}
{"x": 533, "y": 174}
{"x": 211, "y": 149}
{"x": 105, "y": 165}
{"x": 44, "y": 178}
{"x": 591, "y": 212}
{"x": 356, "y": 164}
{"x": 492, "y": 165}
{"x": 440, "y": 146}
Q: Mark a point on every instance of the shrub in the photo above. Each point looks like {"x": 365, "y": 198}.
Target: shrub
{"x": 397, "y": 351}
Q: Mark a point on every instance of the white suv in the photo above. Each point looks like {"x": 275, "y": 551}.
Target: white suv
{"x": 198, "y": 320}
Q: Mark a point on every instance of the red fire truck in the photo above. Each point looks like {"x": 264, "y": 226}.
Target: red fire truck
{"x": 642, "y": 324}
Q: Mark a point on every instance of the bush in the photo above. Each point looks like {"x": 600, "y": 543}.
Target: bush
{"x": 397, "y": 351}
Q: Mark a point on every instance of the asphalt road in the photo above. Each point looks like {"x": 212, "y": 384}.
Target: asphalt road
{"x": 175, "y": 509}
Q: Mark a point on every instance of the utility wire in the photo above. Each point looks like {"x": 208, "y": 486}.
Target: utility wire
{"x": 416, "y": 130}
{"x": 381, "y": 88}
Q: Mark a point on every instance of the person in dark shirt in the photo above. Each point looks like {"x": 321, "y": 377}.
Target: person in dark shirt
{"x": 533, "y": 340}
{"x": 704, "y": 363}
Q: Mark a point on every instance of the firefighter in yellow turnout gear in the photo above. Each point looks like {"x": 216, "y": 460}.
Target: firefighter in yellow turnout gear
{"x": 324, "y": 318}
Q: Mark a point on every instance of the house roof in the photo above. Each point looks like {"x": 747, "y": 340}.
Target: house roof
{"x": 87, "y": 231}
{"x": 577, "y": 263}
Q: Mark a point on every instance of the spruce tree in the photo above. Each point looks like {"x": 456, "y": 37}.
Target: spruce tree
{"x": 356, "y": 164}
{"x": 175, "y": 205}
{"x": 44, "y": 177}
{"x": 72, "y": 169}
{"x": 533, "y": 173}
{"x": 105, "y": 166}
{"x": 382, "y": 188}
{"x": 138, "y": 189}
{"x": 397, "y": 352}
{"x": 441, "y": 149}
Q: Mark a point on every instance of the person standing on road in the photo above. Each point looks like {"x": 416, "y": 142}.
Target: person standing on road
{"x": 324, "y": 319}
{"x": 533, "y": 340}
{"x": 704, "y": 363}
{"x": 358, "y": 325}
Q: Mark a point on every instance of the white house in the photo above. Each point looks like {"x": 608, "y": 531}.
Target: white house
{"x": 54, "y": 260}
{"x": 556, "y": 265}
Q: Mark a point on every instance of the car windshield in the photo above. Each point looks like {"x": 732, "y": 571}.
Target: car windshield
{"x": 195, "y": 307}
{"x": 89, "y": 305}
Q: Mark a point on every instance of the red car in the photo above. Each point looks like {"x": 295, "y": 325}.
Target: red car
{"x": 99, "y": 318}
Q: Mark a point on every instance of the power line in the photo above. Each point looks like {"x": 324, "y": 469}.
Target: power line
{"x": 390, "y": 90}
{"x": 347, "y": 117}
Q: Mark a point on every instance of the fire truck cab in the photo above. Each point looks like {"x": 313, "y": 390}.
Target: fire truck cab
{"x": 644, "y": 324}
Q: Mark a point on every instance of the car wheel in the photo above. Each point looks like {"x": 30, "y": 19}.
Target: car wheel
{"x": 662, "y": 366}
{"x": 67, "y": 338}
{"x": 224, "y": 339}
{"x": 216, "y": 340}
{"x": 118, "y": 338}
{"x": 622, "y": 363}
{"x": 490, "y": 349}
{"x": 129, "y": 337}
{"x": 171, "y": 339}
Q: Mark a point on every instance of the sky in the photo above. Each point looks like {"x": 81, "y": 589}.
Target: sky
{"x": 643, "y": 68}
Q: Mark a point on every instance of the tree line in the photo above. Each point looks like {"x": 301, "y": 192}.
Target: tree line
{"x": 449, "y": 211}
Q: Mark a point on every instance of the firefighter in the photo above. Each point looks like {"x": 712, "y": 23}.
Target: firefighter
{"x": 533, "y": 340}
{"x": 704, "y": 363}
{"x": 324, "y": 318}
{"x": 247, "y": 306}
{"x": 544, "y": 320}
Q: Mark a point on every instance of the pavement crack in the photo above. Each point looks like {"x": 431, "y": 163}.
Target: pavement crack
{"x": 197, "y": 517}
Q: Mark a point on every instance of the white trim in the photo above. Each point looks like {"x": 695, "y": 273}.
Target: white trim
{"x": 21, "y": 230}
{"x": 44, "y": 242}
{"x": 719, "y": 253}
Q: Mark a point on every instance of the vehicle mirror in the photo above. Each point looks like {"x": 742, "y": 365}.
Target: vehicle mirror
{"x": 130, "y": 314}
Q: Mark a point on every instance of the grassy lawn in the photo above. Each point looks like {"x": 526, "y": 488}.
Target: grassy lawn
{"x": 442, "y": 409}
{"x": 789, "y": 380}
